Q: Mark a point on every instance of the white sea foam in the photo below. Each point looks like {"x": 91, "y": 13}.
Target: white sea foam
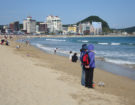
{"x": 118, "y": 61}
{"x": 56, "y": 40}
{"x": 51, "y": 50}
{"x": 103, "y": 43}
{"x": 85, "y": 41}
{"x": 115, "y": 44}
{"x": 116, "y": 54}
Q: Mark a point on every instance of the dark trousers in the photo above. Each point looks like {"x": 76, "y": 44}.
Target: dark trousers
{"x": 89, "y": 77}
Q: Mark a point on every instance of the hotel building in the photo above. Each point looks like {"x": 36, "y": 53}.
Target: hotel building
{"x": 29, "y": 25}
{"x": 90, "y": 29}
{"x": 14, "y": 26}
{"x": 54, "y": 24}
{"x": 41, "y": 28}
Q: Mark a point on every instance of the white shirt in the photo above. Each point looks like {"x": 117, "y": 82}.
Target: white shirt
{"x": 70, "y": 56}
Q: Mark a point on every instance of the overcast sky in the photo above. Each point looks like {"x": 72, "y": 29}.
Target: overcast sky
{"x": 118, "y": 13}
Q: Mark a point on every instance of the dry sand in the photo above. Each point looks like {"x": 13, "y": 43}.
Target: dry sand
{"x": 31, "y": 77}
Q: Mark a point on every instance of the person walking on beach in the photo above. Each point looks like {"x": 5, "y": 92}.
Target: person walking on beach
{"x": 27, "y": 42}
{"x": 89, "y": 69}
{"x": 82, "y": 52}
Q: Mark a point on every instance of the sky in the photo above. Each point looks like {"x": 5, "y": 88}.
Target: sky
{"x": 117, "y": 13}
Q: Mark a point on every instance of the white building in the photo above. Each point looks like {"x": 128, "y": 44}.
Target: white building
{"x": 97, "y": 27}
{"x": 54, "y": 24}
{"x": 84, "y": 28}
{"x": 29, "y": 25}
{"x": 90, "y": 29}
{"x": 25, "y": 25}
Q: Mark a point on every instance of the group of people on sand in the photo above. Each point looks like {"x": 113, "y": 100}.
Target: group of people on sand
{"x": 87, "y": 58}
{"x": 73, "y": 57}
{"x": 4, "y": 41}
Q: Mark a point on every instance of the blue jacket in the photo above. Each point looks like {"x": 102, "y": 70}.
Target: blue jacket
{"x": 84, "y": 47}
{"x": 91, "y": 56}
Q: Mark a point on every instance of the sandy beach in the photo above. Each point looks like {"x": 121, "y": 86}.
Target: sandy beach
{"x": 29, "y": 76}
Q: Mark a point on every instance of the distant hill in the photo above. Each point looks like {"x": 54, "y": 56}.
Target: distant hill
{"x": 91, "y": 19}
{"x": 128, "y": 30}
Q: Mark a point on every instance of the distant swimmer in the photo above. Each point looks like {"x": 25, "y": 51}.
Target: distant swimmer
{"x": 55, "y": 50}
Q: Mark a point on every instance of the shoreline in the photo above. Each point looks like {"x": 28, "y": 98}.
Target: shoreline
{"x": 112, "y": 87}
{"x": 55, "y": 36}
{"x": 120, "y": 69}
{"x": 129, "y": 67}
{"x": 119, "y": 89}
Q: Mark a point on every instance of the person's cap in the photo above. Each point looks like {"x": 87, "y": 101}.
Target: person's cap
{"x": 84, "y": 45}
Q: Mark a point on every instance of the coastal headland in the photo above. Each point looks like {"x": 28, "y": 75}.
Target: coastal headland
{"x": 30, "y": 76}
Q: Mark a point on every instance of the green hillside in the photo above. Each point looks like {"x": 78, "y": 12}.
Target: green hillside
{"x": 91, "y": 19}
{"x": 128, "y": 30}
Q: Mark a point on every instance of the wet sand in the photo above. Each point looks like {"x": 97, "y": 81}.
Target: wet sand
{"x": 29, "y": 76}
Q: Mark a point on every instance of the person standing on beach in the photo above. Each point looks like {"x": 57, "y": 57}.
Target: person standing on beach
{"x": 55, "y": 50}
{"x": 70, "y": 55}
{"x": 89, "y": 69}
{"x": 82, "y": 52}
{"x": 27, "y": 42}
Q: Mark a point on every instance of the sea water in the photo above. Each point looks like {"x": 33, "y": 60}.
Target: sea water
{"x": 116, "y": 50}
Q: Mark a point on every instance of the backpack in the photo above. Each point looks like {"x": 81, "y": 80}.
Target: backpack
{"x": 85, "y": 59}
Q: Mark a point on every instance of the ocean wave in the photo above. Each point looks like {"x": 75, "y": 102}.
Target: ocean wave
{"x": 118, "y": 61}
{"x": 115, "y": 54}
{"x": 131, "y": 44}
{"x": 115, "y": 44}
{"x": 51, "y": 50}
{"x": 44, "y": 48}
{"x": 56, "y": 40}
{"x": 85, "y": 41}
{"x": 103, "y": 43}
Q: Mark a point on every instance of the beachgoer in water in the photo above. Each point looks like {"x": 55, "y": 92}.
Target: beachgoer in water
{"x": 55, "y": 50}
{"x": 74, "y": 57}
